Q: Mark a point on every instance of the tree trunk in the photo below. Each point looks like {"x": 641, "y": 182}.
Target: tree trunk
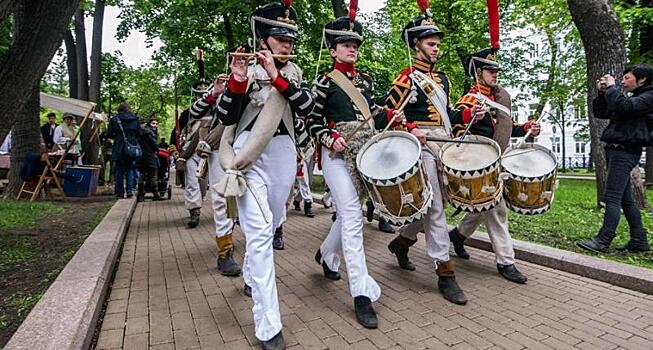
{"x": 30, "y": 54}
{"x": 71, "y": 63}
{"x": 26, "y": 137}
{"x": 96, "y": 55}
{"x": 91, "y": 151}
{"x": 339, "y": 8}
{"x": 82, "y": 61}
{"x": 597, "y": 35}
{"x": 6, "y": 8}
{"x": 638, "y": 190}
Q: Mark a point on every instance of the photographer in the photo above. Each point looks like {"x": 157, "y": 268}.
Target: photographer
{"x": 630, "y": 127}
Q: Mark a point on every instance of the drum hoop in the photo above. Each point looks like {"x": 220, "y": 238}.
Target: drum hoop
{"x": 479, "y": 208}
{"x": 531, "y": 211}
{"x": 393, "y": 180}
{"x": 471, "y": 174}
{"x": 466, "y": 174}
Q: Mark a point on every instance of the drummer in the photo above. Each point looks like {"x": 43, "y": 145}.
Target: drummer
{"x": 427, "y": 113}
{"x": 484, "y": 69}
{"x": 332, "y": 122}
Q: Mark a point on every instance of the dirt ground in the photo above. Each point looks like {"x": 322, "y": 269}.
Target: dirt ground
{"x": 38, "y": 254}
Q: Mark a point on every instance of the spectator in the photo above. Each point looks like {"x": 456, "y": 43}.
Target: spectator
{"x": 122, "y": 163}
{"x": 47, "y": 130}
{"x": 630, "y": 129}
{"x": 65, "y": 133}
{"x": 148, "y": 164}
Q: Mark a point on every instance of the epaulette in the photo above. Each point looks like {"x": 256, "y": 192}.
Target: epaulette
{"x": 467, "y": 100}
{"x": 403, "y": 79}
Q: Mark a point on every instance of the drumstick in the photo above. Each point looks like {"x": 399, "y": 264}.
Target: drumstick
{"x": 528, "y": 133}
{"x": 359, "y": 126}
{"x": 252, "y": 54}
{"x": 401, "y": 108}
{"x": 442, "y": 139}
{"x": 518, "y": 153}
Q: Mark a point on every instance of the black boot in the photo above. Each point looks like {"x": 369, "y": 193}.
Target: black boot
{"x": 451, "y": 291}
{"x": 296, "y": 206}
{"x": 511, "y": 273}
{"x": 369, "y": 215}
{"x": 308, "y": 209}
{"x": 600, "y": 244}
{"x": 334, "y": 216}
{"x": 365, "y": 314}
{"x": 154, "y": 187}
{"x": 194, "y": 218}
{"x": 228, "y": 266}
{"x": 447, "y": 283}
{"x": 277, "y": 241}
{"x": 399, "y": 247}
{"x": 332, "y": 275}
{"x": 458, "y": 242}
{"x": 276, "y": 343}
{"x": 247, "y": 290}
{"x": 385, "y": 226}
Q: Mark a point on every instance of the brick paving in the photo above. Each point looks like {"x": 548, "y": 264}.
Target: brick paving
{"x": 167, "y": 294}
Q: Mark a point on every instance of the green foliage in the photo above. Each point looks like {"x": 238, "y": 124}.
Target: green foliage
{"x": 24, "y": 303}
{"x": 24, "y": 214}
{"x": 5, "y": 38}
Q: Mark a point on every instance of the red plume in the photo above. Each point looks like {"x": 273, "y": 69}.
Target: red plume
{"x": 493, "y": 20}
{"x": 423, "y": 5}
{"x": 353, "y": 7}
{"x": 286, "y": 3}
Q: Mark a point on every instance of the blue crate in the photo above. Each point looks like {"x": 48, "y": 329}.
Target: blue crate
{"x": 84, "y": 188}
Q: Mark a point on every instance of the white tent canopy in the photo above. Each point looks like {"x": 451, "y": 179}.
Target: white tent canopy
{"x": 70, "y": 105}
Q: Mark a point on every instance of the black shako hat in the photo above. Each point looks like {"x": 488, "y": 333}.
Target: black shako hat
{"x": 275, "y": 19}
{"x": 342, "y": 29}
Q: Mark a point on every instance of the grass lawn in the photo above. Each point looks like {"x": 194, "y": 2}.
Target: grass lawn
{"x": 573, "y": 216}
{"x": 36, "y": 241}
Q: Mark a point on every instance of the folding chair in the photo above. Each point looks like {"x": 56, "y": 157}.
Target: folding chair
{"x": 47, "y": 177}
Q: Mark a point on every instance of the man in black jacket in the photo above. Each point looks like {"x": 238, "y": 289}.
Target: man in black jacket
{"x": 47, "y": 130}
{"x": 630, "y": 129}
{"x": 148, "y": 163}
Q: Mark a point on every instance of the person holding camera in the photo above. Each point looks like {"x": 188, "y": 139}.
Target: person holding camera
{"x": 631, "y": 127}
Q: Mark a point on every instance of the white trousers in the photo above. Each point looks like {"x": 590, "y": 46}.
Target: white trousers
{"x": 347, "y": 231}
{"x": 434, "y": 224}
{"x": 496, "y": 223}
{"x": 223, "y": 225}
{"x": 192, "y": 193}
{"x": 269, "y": 180}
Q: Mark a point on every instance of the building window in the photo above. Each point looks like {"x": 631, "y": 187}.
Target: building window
{"x": 580, "y": 147}
{"x": 556, "y": 146}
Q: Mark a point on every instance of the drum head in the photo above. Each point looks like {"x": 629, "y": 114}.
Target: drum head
{"x": 529, "y": 161}
{"x": 389, "y": 156}
{"x": 468, "y": 156}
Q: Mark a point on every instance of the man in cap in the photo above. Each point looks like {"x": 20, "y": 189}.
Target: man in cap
{"x": 428, "y": 111}
{"x": 483, "y": 67}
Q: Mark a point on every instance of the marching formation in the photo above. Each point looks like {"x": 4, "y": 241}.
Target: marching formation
{"x": 258, "y": 130}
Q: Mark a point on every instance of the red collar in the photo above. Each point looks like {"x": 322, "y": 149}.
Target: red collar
{"x": 345, "y": 67}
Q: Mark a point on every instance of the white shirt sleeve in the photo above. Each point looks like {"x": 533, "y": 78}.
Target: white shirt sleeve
{"x": 58, "y": 136}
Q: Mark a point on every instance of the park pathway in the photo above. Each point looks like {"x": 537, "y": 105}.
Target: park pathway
{"x": 167, "y": 294}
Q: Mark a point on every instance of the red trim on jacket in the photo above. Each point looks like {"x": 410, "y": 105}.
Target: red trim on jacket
{"x": 280, "y": 83}
{"x": 237, "y": 87}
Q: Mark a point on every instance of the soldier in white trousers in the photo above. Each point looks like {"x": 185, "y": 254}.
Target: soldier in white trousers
{"x": 260, "y": 108}
{"x": 207, "y": 151}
